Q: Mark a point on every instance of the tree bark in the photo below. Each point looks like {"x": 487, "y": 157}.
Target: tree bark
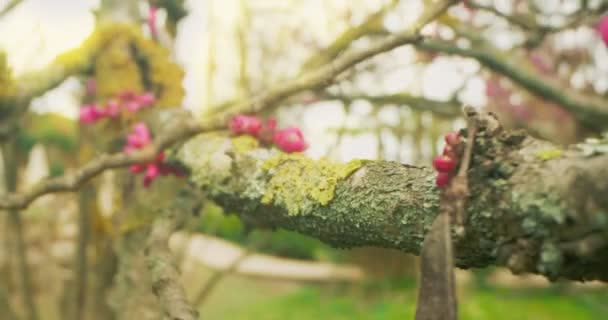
{"x": 533, "y": 206}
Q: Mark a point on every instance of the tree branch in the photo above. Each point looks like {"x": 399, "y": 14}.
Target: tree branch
{"x": 588, "y": 110}
{"x": 185, "y": 127}
{"x": 520, "y": 213}
{"x": 165, "y": 276}
{"x": 448, "y": 109}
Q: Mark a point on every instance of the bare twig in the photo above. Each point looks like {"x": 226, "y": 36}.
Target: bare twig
{"x": 588, "y": 110}
{"x": 16, "y": 224}
{"x": 85, "y": 197}
{"x": 9, "y": 7}
{"x": 217, "y": 276}
{"x": 165, "y": 276}
{"x": 184, "y": 128}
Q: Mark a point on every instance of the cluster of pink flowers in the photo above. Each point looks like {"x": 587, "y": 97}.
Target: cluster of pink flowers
{"x": 288, "y": 139}
{"x": 446, "y": 163}
{"x": 127, "y": 101}
{"x": 602, "y": 28}
{"x": 140, "y": 138}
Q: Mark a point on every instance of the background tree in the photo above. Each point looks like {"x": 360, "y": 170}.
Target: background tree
{"x": 388, "y": 79}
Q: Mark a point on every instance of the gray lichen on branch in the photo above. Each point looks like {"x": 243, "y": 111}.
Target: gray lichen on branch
{"x": 528, "y": 212}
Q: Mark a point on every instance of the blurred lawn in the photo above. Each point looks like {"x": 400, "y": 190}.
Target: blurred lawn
{"x": 398, "y": 302}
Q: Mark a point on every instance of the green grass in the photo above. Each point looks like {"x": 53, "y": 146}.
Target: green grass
{"x": 493, "y": 303}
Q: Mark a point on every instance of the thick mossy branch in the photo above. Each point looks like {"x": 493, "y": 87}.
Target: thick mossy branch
{"x": 529, "y": 212}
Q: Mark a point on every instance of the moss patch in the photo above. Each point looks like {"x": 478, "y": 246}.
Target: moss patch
{"x": 297, "y": 183}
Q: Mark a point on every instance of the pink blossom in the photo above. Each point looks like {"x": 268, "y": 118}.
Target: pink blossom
{"x": 127, "y": 95}
{"x": 133, "y": 106}
{"x": 152, "y": 20}
{"x": 152, "y": 172}
{"x": 602, "y": 28}
{"x": 145, "y": 99}
{"x": 242, "y": 124}
{"x": 290, "y": 140}
{"x": 140, "y": 137}
{"x": 89, "y": 113}
{"x": 112, "y": 109}
{"x": 136, "y": 168}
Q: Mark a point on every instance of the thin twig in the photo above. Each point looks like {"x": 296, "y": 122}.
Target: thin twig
{"x": 185, "y": 128}
{"x": 217, "y": 276}
{"x": 160, "y": 263}
{"x": 9, "y": 7}
{"x": 16, "y": 224}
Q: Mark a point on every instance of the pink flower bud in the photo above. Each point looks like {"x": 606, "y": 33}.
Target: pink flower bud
{"x": 133, "y": 106}
{"x": 136, "y": 168}
{"x": 145, "y": 100}
{"x": 602, "y": 28}
{"x": 140, "y": 137}
{"x": 152, "y": 172}
{"x": 254, "y": 126}
{"x": 112, "y": 109}
{"x": 452, "y": 138}
{"x": 443, "y": 179}
{"x": 90, "y": 113}
{"x": 242, "y": 124}
{"x": 444, "y": 164}
{"x": 290, "y": 140}
{"x": 152, "y": 20}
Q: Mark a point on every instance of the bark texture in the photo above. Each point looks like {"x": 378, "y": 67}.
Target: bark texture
{"x": 534, "y": 207}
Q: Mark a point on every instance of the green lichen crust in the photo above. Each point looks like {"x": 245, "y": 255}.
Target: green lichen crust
{"x": 299, "y": 184}
{"x": 546, "y": 216}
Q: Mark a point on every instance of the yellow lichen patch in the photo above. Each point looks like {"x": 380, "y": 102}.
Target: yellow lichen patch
{"x": 297, "y": 182}
{"x": 244, "y": 144}
{"x": 549, "y": 154}
{"x": 123, "y": 59}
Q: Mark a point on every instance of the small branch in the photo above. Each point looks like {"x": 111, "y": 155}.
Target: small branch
{"x": 446, "y": 109}
{"x": 86, "y": 197}
{"x": 9, "y": 7}
{"x": 16, "y": 224}
{"x": 180, "y": 129}
{"x": 174, "y": 132}
{"x": 165, "y": 276}
{"x": 217, "y": 276}
{"x": 5, "y": 305}
{"x": 373, "y": 24}
{"x": 588, "y": 110}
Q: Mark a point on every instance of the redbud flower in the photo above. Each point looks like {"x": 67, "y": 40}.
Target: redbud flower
{"x": 602, "y": 28}
{"x": 444, "y": 163}
{"x": 133, "y": 106}
{"x": 136, "y": 168}
{"x": 242, "y": 124}
{"x": 90, "y": 113}
{"x": 152, "y": 172}
{"x": 152, "y": 20}
{"x": 290, "y": 139}
{"x": 146, "y": 99}
{"x": 443, "y": 179}
{"x": 112, "y": 109}
{"x": 452, "y": 138}
{"x": 140, "y": 137}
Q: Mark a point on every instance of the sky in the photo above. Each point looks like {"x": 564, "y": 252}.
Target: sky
{"x": 37, "y": 30}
